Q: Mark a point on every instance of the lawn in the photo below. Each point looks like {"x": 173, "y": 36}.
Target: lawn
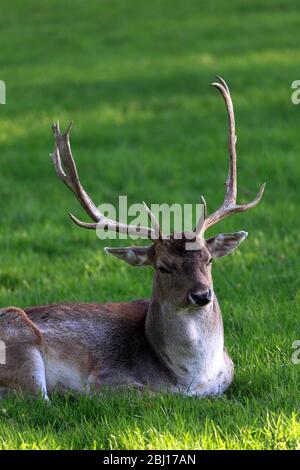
{"x": 134, "y": 76}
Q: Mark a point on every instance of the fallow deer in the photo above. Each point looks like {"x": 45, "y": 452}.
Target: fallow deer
{"x": 174, "y": 341}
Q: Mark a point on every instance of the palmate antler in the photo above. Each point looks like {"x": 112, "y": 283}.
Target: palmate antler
{"x": 229, "y": 205}
{"x": 67, "y": 171}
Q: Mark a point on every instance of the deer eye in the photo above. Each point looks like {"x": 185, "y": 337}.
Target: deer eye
{"x": 164, "y": 270}
{"x": 209, "y": 262}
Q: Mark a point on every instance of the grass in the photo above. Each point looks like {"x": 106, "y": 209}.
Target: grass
{"x": 134, "y": 77}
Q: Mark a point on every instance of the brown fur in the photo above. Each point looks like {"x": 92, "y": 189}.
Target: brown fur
{"x": 32, "y": 326}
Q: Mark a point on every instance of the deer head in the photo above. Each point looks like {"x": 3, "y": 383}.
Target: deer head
{"x": 182, "y": 277}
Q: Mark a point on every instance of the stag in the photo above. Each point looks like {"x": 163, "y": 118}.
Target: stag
{"x": 173, "y": 342}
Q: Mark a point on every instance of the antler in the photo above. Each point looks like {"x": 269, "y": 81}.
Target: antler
{"x": 229, "y": 205}
{"x": 67, "y": 171}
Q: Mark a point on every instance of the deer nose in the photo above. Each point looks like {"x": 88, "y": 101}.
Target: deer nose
{"x": 200, "y": 298}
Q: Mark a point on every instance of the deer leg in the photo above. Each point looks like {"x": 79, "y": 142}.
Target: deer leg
{"x": 24, "y": 370}
{"x": 101, "y": 379}
{"x": 22, "y": 365}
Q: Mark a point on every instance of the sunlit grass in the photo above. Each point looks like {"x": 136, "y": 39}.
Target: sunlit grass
{"x": 130, "y": 421}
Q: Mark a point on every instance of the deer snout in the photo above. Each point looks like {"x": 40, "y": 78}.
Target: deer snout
{"x": 200, "y": 298}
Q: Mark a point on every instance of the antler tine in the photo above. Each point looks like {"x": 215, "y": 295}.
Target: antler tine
{"x": 202, "y": 219}
{"x": 223, "y": 83}
{"x": 109, "y": 224}
{"x": 67, "y": 172}
{"x": 154, "y": 221}
{"x": 225, "y": 212}
{"x": 205, "y": 206}
{"x": 231, "y": 183}
{"x": 229, "y": 205}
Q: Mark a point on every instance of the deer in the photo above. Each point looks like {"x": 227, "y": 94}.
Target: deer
{"x": 173, "y": 342}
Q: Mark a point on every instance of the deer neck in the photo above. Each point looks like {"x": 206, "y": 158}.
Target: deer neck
{"x": 189, "y": 342}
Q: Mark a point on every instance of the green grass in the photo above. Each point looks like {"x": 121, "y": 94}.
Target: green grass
{"x": 134, "y": 77}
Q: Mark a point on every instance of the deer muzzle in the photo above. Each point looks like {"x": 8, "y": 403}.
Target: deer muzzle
{"x": 200, "y": 298}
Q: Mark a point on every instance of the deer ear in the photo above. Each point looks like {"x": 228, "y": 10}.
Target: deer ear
{"x": 133, "y": 255}
{"x": 222, "y": 245}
